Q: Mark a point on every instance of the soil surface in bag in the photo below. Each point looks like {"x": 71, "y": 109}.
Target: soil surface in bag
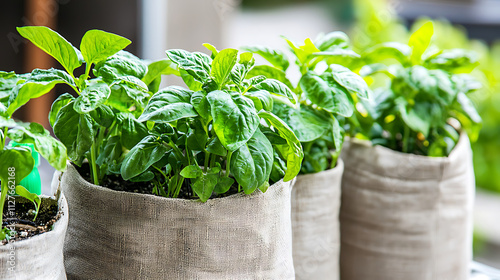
{"x": 116, "y": 183}
{"x": 22, "y": 219}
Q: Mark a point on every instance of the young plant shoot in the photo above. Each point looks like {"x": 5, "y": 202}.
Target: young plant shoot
{"x": 427, "y": 89}
{"x": 17, "y": 162}
{"x": 99, "y": 124}
{"x": 326, "y": 92}
{"x": 219, "y": 133}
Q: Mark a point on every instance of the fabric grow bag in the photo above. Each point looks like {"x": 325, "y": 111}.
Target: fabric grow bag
{"x": 405, "y": 216}
{"x": 315, "y": 224}
{"x": 120, "y": 235}
{"x": 39, "y": 257}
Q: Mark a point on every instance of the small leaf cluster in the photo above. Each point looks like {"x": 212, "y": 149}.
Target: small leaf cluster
{"x": 218, "y": 133}
{"x": 16, "y": 162}
{"x": 427, "y": 88}
{"x": 100, "y": 123}
{"x": 326, "y": 91}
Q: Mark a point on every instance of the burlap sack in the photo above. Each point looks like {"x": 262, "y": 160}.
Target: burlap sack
{"x": 120, "y": 235}
{"x": 315, "y": 224}
{"x": 40, "y": 257}
{"x": 405, "y": 216}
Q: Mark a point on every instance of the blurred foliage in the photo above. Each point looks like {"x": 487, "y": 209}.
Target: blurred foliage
{"x": 269, "y": 3}
{"x": 377, "y": 22}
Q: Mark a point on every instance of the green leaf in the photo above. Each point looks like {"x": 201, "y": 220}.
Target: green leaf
{"x": 330, "y": 97}
{"x": 214, "y": 146}
{"x": 120, "y": 64}
{"x": 223, "y": 185}
{"x": 251, "y": 164}
{"x": 394, "y": 50}
{"x": 191, "y": 172}
{"x": 261, "y": 99}
{"x": 468, "y": 108}
{"x": 190, "y": 81}
{"x": 195, "y": 64}
{"x": 350, "y": 80}
{"x": 420, "y": 41}
{"x": 269, "y": 72}
{"x": 133, "y": 131}
{"x": 305, "y": 122}
{"x": 158, "y": 68}
{"x": 8, "y": 80}
{"x": 98, "y": 45}
{"x": 204, "y": 186}
{"x": 338, "y": 138}
{"x": 169, "y": 104}
{"x": 147, "y": 176}
{"x": 275, "y": 57}
{"x": 92, "y": 97}
{"x": 222, "y": 65}
{"x": 39, "y": 83}
{"x": 293, "y": 152}
{"x": 200, "y": 103}
{"x": 234, "y": 118}
{"x": 142, "y": 156}
{"x": 60, "y": 102}
{"x": 333, "y": 39}
{"x": 453, "y": 60}
{"x": 104, "y": 116}
{"x": 53, "y": 44}
{"x": 75, "y": 131}
{"x": 277, "y": 88}
{"x": 127, "y": 98}
{"x": 48, "y": 147}
{"x": 33, "y": 197}
{"x": 211, "y": 48}
{"x": 18, "y": 159}
{"x": 416, "y": 118}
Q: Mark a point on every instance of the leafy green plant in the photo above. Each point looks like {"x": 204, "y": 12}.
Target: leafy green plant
{"x": 326, "y": 92}
{"x": 218, "y": 133}
{"x": 99, "y": 124}
{"x": 17, "y": 162}
{"x": 427, "y": 87}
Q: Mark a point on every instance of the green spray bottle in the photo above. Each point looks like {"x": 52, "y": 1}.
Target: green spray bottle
{"x": 32, "y": 182}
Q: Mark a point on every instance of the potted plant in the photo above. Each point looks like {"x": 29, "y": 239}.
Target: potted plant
{"x": 326, "y": 93}
{"x": 185, "y": 147}
{"x": 407, "y": 195}
{"x": 32, "y": 227}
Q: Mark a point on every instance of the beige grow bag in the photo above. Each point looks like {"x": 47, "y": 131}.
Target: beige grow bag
{"x": 315, "y": 224}
{"x": 40, "y": 257}
{"x": 120, "y": 235}
{"x": 405, "y": 216}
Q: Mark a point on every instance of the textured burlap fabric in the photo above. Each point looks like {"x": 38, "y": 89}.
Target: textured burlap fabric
{"x": 40, "y": 257}
{"x": 315, "y": 224}
{"x": 120, "y": 235}
{"x": 405, "y": 216}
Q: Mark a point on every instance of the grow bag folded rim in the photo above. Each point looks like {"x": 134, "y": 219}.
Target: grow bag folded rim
{"x": 71, "y": 169}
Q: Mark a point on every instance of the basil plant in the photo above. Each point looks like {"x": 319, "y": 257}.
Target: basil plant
{"x": 217, "y": 134}
{"x": 97, "y": 122}
{"x": 326, "y": 92}
{"x": 16, "y": 162}
{"x": 416, "y": 109}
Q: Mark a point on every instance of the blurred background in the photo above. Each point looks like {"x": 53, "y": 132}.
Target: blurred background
{"x": 157, "y": 25}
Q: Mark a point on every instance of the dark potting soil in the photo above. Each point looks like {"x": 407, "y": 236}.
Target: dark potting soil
{"x": 116, "y": 183}
{"x": 18, "y": 217}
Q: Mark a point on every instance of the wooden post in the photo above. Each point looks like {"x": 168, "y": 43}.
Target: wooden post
{"x": 39, "y": 12}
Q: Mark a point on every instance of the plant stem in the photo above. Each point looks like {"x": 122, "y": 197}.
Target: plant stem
{"x": 93, "y": 164}
{"x": 2, "y": 201}
{"x": 228, "y": 163}
{"x": 207, "y": 158}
